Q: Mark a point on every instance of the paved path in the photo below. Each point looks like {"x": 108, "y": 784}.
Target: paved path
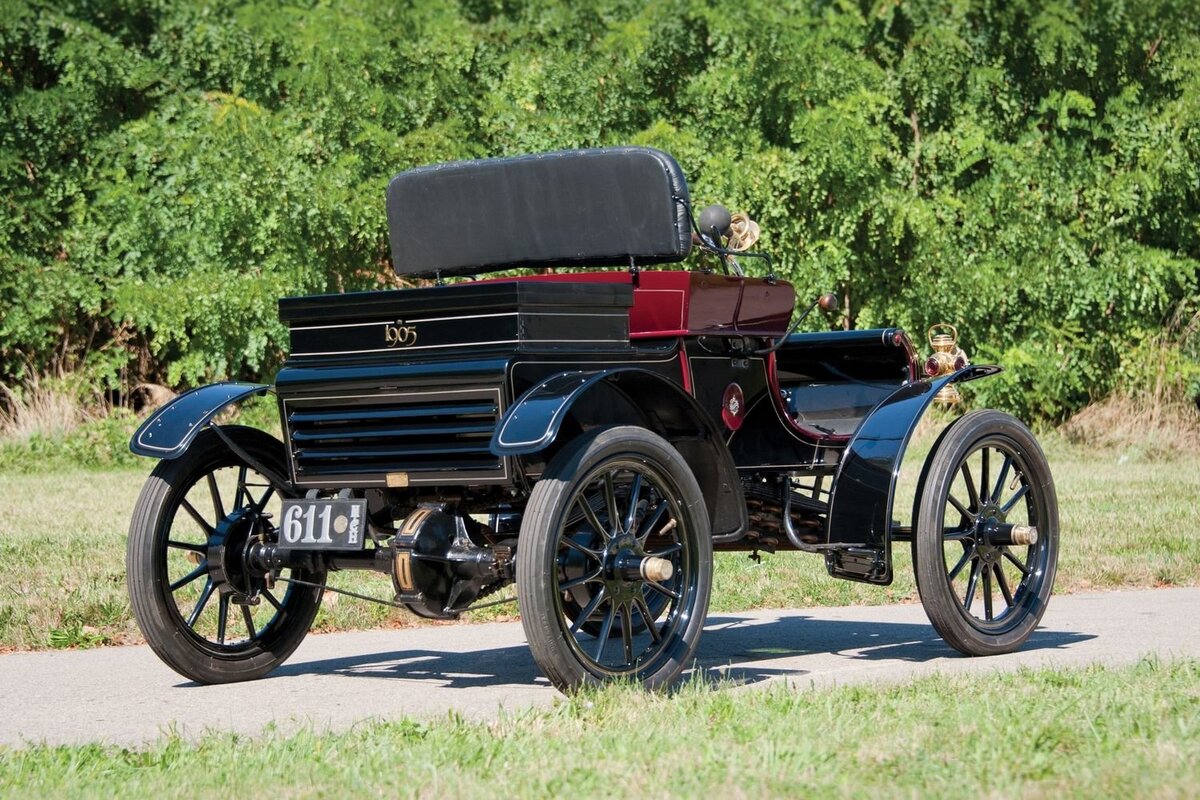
{"x": 124, "y": 695}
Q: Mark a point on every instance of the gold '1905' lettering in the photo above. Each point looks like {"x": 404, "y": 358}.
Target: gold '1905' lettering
{"x": 399, "y": 334}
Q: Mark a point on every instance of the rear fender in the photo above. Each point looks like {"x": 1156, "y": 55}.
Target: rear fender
{"x": 169, "y": 431}
{"x": 534, "y": 421}
{"x": 859, "y": 531}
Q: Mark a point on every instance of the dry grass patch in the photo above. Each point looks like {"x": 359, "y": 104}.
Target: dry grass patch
{"x": 1165, "y": 428}
{"x": 39, "y": 409}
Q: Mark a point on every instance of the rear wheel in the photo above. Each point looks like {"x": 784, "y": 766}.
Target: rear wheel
{"x": 614, "y": 561}
{"x": 201, "y": 609}
{"x": 986, "y": 536}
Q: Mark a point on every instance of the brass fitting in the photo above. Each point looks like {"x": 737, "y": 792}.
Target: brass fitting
{"x": 656, "y": 569}
{"x": 947, "y": 359}
{"x": 1024, "y": 534}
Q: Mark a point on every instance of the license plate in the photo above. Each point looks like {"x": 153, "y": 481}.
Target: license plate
{"x": 323, "y": 524}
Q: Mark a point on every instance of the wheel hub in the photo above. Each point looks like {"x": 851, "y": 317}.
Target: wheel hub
{"x": 620, "y": 561}
{"x": 987, "y": 530}
{"x": 228, "y": 546}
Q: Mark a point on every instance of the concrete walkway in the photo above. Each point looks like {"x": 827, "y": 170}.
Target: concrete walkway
{"x": 126, "y": 696}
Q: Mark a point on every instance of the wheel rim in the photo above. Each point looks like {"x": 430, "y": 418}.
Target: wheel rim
{"x": 995, "y": 582}
{"x": 621, "y": 513}
{"x": 211, "y": 594}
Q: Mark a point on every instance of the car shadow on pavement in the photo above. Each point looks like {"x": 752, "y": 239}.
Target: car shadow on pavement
{"x": 730, "y": 641}
{"x": 499, "y": 666}
{"x": 733, "y": 649}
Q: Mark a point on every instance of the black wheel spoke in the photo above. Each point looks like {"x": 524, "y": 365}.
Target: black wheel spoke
{"x": 200, "y": 603}
{"x": 648, "y": 618}
{"x": 1003, "y": 476}
{"x": 195, "y": 548}
{"x": 971, "y": 581}
{"x": 1002, "y": 582}
{"x": 627, "y": 633}
{"x": 588, "y": 578}
{"x": 577, "y": 547}
{"x": 610, "y": 504}
{"x": 222, "y": 617}
{"x": 985, "y": 483}
{"x": 262, "y": 501}
{"x": 241, "y": 488}
{"x": 1016, "y": 562}
{"x": 987, "y": 594}
{"x": 635, "y": 491}
{"x": 588, "y": 610}
{"x": 591, "y": 517}
{"x": 658, "y": 587}
{"x": 972, "y": 495}
{"x": 956, "y": 534}
{"x": 201, "y": 521}
{"x": 271, "y": 599}
{"x": 666, "y": 551}
{"x": 191, "y": 576}
{"x": 968, "y": 553}
{"x": 651, "y": 521}
{"x": 215, "y": 491}
{"x": 1012, "y": 501}
{"x": 606, "y": 629}
{"x": 248, "y": 618}
{"x": 954, "y": 501}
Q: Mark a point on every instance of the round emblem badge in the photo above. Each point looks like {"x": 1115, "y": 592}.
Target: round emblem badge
{"x": 733, "y": 407}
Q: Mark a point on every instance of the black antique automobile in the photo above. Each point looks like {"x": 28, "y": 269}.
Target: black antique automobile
{"x": 592, "y": 431}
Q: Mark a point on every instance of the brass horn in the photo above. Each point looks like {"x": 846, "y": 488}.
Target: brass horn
{"x": 743, "y": 232}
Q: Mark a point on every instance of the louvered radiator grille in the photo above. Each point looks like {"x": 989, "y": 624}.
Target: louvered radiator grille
{"x": 414, "y": 437}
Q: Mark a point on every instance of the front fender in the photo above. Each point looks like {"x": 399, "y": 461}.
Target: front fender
{"x": 534, "y": 419}
{"x": 864, "y": 489}
{"x": 168, "y": 431}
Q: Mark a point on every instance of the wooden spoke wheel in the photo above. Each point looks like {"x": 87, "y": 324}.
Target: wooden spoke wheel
{"x": 614, "y": 561}
{"x": 986, "y": 534}
{"x": 208, "y": 615}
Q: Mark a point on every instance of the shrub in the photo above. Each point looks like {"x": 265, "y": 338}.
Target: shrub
{"x": 1027, "y": 170}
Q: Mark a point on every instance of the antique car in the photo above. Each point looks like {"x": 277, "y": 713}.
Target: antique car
{"x": 591, "y": 429}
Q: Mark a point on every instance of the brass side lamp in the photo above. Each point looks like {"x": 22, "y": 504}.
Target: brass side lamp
{"x": 947, "y": 359}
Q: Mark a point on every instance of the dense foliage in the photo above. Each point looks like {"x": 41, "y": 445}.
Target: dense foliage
{"x": 1027, "y": 170}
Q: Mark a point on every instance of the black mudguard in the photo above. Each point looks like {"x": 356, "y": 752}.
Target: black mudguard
{"x": 168, "y": 431}
{"x": 533, "y": 422}
{"x": 859, "y": 530}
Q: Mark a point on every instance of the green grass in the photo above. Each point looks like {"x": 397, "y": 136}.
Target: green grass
{"x": 96, "y": 444}
{"x": 1125, "y": 523}
{"x": 1100, "y": 732}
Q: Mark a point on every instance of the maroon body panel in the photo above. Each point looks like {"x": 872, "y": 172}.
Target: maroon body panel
{"x": 678, "y": 303}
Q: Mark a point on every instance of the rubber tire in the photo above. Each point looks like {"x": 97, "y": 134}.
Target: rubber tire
{"x": 941, "y": 605}
{"x": 537, "y": 553}
{"x": 153, "y": 606}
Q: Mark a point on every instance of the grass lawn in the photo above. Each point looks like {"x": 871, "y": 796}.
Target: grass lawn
{"x": 1100, "y": 732}
{"x": 1127, "y": 521}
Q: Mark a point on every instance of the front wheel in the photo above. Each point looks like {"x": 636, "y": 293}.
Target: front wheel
{"x": 201, "y": 607}
{"x": 986, "y": 534}
{"x": 614, "y": 562}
